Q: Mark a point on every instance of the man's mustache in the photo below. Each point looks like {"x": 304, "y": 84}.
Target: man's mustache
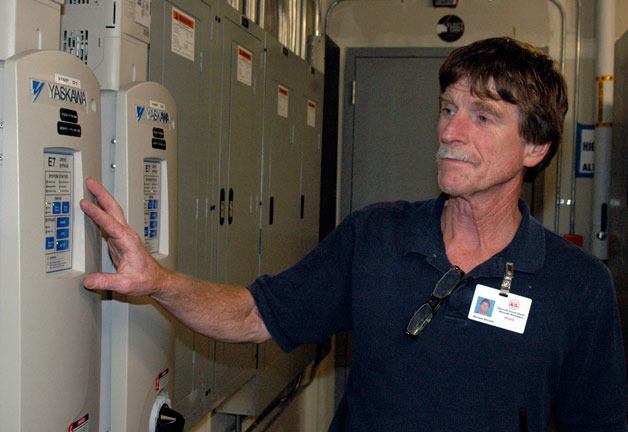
{"x": 448, "y": 152}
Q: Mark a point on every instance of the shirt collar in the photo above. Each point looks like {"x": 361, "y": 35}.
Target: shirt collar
{"x": 526, "y": 251}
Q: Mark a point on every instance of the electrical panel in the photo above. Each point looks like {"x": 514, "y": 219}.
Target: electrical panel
{"x": 140, "y": 168}
{"x": 185, "y": 43}
{"x": 291, "y": 150}
{"x": 310, "y": 124}
{"x": 239, "y": 181}
{"x": 49, "y": 324}
{"x": 110, "y": 36}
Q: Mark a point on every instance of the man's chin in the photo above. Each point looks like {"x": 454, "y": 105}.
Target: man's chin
{"x": 454, "y": 188}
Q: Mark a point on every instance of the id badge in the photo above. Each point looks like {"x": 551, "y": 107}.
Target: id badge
{"x": 509, "y": 313}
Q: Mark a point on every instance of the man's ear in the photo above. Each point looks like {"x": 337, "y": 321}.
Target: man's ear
{"x": 534, "y": 153}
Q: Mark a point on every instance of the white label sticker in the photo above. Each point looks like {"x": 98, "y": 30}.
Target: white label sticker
{"x": 311, "y": 113}
{"x": 142, "y": 12}
{"x": 585, "y": 154}
{"x": 59, "y": 183}
{"x": 245, "y": 66}
{"x": 183, "y": 33}
{"x": 152, "y": 205}
{"x": 283, "y": 99}
{"x": 157, "y": 105}
{"x": 68, "y": 81}
{"x": 509, "y": 313}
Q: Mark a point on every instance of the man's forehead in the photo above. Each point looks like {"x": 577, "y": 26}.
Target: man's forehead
{"x": 485, "y": 97}
{"x": 482, "y": 91}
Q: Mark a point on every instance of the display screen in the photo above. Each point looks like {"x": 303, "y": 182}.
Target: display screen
{"x": 152, "y": 204}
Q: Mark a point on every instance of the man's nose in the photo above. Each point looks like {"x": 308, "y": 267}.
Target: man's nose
{"x": 454, "y": 128}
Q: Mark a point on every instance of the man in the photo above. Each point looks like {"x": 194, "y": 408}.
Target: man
{"x": 404, "y": 276}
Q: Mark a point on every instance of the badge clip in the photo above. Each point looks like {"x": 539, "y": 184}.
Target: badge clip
{"x": 507, "y": 281}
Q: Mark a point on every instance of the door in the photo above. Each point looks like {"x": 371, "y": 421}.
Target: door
{"x": 390, "y": 116}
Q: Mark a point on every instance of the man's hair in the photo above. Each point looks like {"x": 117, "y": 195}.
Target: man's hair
{"x": 523, "y": 76}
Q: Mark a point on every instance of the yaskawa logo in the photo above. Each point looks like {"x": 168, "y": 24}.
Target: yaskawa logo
{"x": 67, "y": 94}
{"x": 59, "y": 92}
{"x": 139, "y": 111}
{"x": 37, "y": 86}
{"x": 158, "y": 116}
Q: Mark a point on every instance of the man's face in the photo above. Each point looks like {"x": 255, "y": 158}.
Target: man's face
{"x": 484, "y": 307}
{"x": 480, "y": 149}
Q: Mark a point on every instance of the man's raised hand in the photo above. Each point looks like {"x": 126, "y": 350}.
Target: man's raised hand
{"x": 137, "y": 273}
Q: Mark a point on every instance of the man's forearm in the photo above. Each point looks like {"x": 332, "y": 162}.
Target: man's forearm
{"x": 220, "y": 311}
{"x": 224, "y": 312}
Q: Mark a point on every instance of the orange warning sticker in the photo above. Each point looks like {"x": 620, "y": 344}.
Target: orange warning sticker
{"x": 162, "y": 380}
{"x": 183, "y": 19}
{"x": 81, "y": 425}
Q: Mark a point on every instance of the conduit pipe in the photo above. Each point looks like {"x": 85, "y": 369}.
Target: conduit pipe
{"x": 559, "y": 170}
{"x": 576, "y": 110}
{"x": 605, "y": 64}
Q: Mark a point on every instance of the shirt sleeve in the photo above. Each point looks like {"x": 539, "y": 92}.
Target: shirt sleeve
{"x": 310, "y": 301}
{"x": 592, "y": 389}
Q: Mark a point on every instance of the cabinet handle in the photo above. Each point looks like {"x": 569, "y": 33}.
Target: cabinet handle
{"x": 271, "y": 211}
{"x": 230, "y": 210}
{"x": 222, "y": 207}
{"x": 302, "y": 206}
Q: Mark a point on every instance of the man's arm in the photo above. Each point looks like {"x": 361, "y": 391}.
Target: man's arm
{"x": 223, "y": 312}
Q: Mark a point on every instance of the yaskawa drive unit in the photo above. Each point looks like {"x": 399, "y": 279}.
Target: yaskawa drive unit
{"x": 139, "y": 167}
{"x": 49, "y": 324}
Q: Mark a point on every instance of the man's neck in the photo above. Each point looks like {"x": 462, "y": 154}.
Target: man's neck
{"x": 476, "y": 228}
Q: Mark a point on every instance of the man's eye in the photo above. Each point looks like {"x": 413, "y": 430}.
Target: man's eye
{"x": 446, "y": 111}
{"x": 483, "y": 119}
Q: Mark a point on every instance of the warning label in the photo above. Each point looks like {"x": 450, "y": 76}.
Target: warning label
{"x": 244, "y": 72}
{"x": 311, "y": 113}
{"x": 162, "y": 380}
{"x": 81, "y": 425}
{"x": 142, "y": 12}
{"x": 183, "y": 34}
{"x": 283, "y": 99}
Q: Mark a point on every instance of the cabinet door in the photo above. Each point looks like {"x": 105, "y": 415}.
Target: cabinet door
{"x": 240, "y": 184}
{"x": 184, "y": 43}
{"x": 310, "y": 127}
{"x": 282, "y": 162}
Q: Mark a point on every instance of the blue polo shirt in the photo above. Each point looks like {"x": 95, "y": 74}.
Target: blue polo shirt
{"x": 381, "y": 264}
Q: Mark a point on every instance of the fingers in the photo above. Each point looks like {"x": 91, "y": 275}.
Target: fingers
{"x": 111, "y": 282}
{"x": 105, "y": 200}
{"x": 98, "y": 281}
{"x": 110, "y": 225}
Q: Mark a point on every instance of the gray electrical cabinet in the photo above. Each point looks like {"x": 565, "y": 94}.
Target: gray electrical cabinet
{"x": 239, "y": 181}
{"x": 185, "y": 57}
{"x": 310, "y": 132}
{"x": 291, "y": 179}
{"x": 282, "y": 159}
{"x": 249, "y": 122}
